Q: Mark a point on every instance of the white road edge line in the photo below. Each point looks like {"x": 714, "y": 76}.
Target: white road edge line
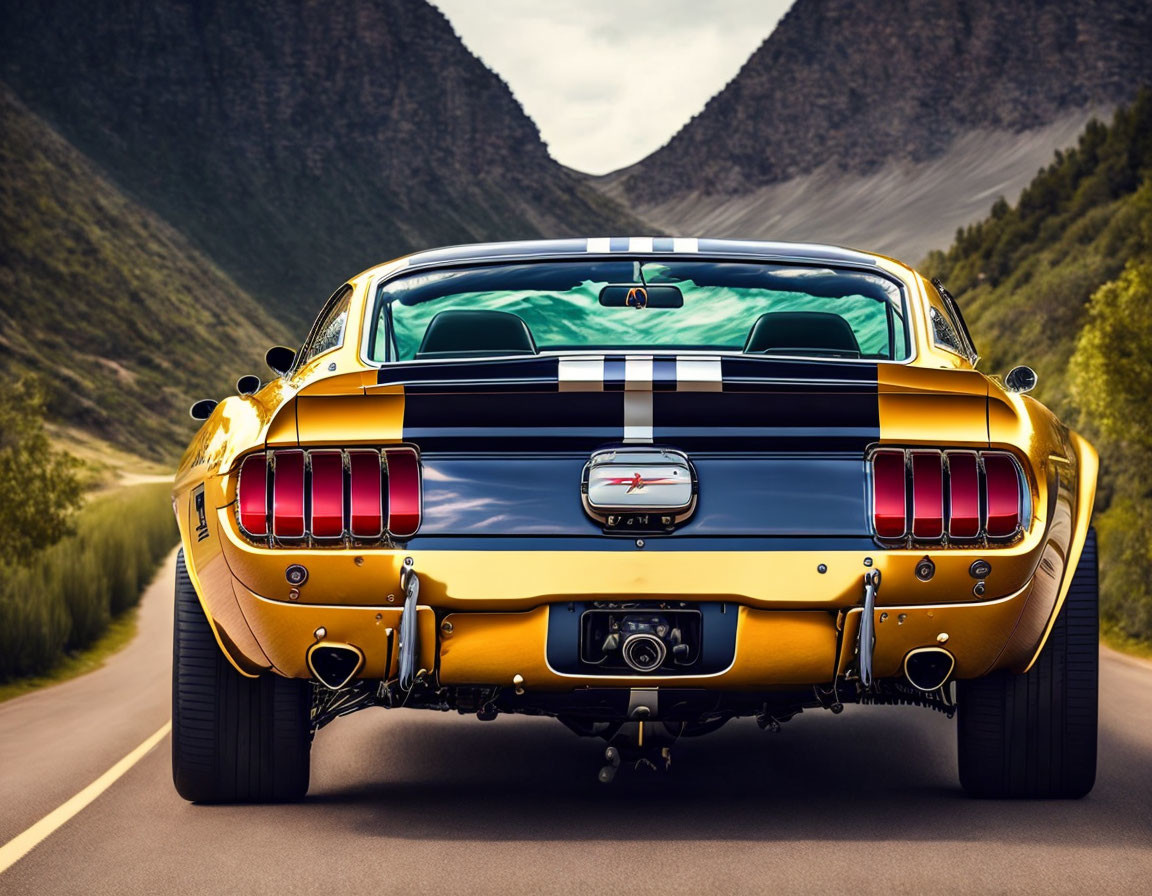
{"x": 20, "y": 845}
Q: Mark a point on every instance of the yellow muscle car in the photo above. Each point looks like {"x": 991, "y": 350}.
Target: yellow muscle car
{"x": 645, "y": 486}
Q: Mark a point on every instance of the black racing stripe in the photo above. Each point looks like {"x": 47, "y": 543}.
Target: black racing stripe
{"x": 752, "y": 368}
{"x": 490, "y": 421}
{"x": 663, "y": 374}
{"x": 614, "y": 373}
{"x": 774, "y": 418}
{"x": 530, "y": 368}
{"x": 471, "y": 387}
{"x": 618, "y": 244}
{"x": 765, "y": 438}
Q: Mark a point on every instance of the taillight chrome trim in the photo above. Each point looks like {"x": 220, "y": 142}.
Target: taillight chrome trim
{"x": 1012, "y": 472}
{"x": 949, "y": 534}
{"x": 951, "y": 457}
{"x": 373, "y": 462}
{"x": 892, "y": 453}
{"x": 936, "y": 469}
{"x": 311, "y": 476}
{"x": 403, "y": 505}
{"x": 310, "y": 532}
{"x": 262, "y": 457}
{"x": 285, "y": 457}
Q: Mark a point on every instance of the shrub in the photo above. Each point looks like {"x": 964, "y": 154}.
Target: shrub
{"x": 62, "y": 597}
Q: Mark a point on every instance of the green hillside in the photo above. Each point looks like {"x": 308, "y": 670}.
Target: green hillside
{"x": 120, "y": 319}
{"x": 1062, "y": 281}
{"x": 296, "y": 143}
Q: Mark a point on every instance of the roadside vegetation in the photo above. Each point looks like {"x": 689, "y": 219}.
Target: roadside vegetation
{"x": 122, "y": 320}
{"x": 69, "y": 568}
{"x": 1062, "y": 281}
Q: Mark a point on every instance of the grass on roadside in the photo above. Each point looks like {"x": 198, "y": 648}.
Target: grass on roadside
{"x": 120, "y": 631}
{"x": 1130, "y": 646}
{"x": 62, "y": 600}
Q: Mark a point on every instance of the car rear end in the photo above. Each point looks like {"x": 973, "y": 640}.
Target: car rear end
{"x": 703, "y": 532}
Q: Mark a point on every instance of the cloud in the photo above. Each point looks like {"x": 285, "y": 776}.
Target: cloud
{"x": 610, "y": 81}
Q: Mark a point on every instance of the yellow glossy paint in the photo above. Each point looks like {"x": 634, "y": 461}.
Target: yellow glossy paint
{"x": 796, "y": 626}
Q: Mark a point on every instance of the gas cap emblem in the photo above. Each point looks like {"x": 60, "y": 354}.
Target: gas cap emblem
{"x": 639, "y": 489}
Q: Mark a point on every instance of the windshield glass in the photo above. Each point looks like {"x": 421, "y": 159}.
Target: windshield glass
{"x": 557, "y": 306}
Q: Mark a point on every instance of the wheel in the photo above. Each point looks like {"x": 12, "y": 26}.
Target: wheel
{"x": 234, "y": 739}
{"x": 1034, "y": 735}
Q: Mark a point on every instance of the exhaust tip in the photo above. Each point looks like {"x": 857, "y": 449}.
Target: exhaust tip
{"x": 334, "y": 664}
{"x": 928, "y": 668}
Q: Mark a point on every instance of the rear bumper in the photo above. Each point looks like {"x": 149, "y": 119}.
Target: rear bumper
{"x": 798, "y": 603}
{"x": 774, "y": 647}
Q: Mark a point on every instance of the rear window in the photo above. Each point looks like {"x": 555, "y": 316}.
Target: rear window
{"x": 528, "y": 308}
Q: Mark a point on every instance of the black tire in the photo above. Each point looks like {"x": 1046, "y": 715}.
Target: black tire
{"x": 234, "y": 739}
{"x": 1034, "y": 735}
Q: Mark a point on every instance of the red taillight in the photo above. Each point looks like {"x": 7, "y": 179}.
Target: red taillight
{"x": 366, "y": 513}
{"x": 327, "y": 517}
{"x": 404, "y": 501}
{"x": 964, "y": 494}
{"x": 889, "y": 498}
{"x": 1003, "y": 495}
{"x": 329, "y": 494}
{"x": 252, "y": 495}
{"x": 288, "y": 494}
{"x": 927, "y": 495}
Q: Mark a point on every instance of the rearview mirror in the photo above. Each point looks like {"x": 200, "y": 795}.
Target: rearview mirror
{"x": 280, "y": 359}
{"x": 641, "y": 297}
{"x": 1020, "y": 379}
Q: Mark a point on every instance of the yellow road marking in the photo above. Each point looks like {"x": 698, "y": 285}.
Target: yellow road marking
{"x": 20, "y": 845}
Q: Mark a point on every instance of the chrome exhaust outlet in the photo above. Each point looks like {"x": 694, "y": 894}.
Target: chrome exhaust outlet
{"x": 928, "y": 668}
{"x": 334, "y": 664}
{"x": 643, "y": 652}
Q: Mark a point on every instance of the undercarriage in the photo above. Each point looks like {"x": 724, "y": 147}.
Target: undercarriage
{"x": 639, "y": 725}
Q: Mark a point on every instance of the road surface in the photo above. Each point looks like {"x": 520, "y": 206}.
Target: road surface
{"x": 417, "y": 802}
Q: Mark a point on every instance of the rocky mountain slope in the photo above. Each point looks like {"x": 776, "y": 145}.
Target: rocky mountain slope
{"x": 296, "y": 142}
{"x": 868, "y": 122}
{"x": 121, "y": 320}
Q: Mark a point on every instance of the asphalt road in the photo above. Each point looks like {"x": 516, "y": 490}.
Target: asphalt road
{"x": 416, "y": 802}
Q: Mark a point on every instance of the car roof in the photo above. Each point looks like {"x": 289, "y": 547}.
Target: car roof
{"x": 631, "y": 245}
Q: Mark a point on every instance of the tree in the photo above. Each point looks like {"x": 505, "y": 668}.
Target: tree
{"x": 39, "y": 486}
{"x": 1112, "y": 380}
{"x": 1111, "y": 376}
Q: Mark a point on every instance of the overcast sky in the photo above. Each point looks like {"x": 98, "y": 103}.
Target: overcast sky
{"x": 609, "y": 81}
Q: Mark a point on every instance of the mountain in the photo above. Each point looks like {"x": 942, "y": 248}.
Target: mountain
{"x": 118, "y": 316}
{"x": 296, "y": 142}
{"x": 1062, "y": 281}
{"x": 888, "y": 123}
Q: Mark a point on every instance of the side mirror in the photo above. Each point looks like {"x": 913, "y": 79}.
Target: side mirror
{"x": 203, "y": 409}
{"x": 248, "y": 385}
{"x": 280, "y": 359}
{"x": 1020, "y": 379}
